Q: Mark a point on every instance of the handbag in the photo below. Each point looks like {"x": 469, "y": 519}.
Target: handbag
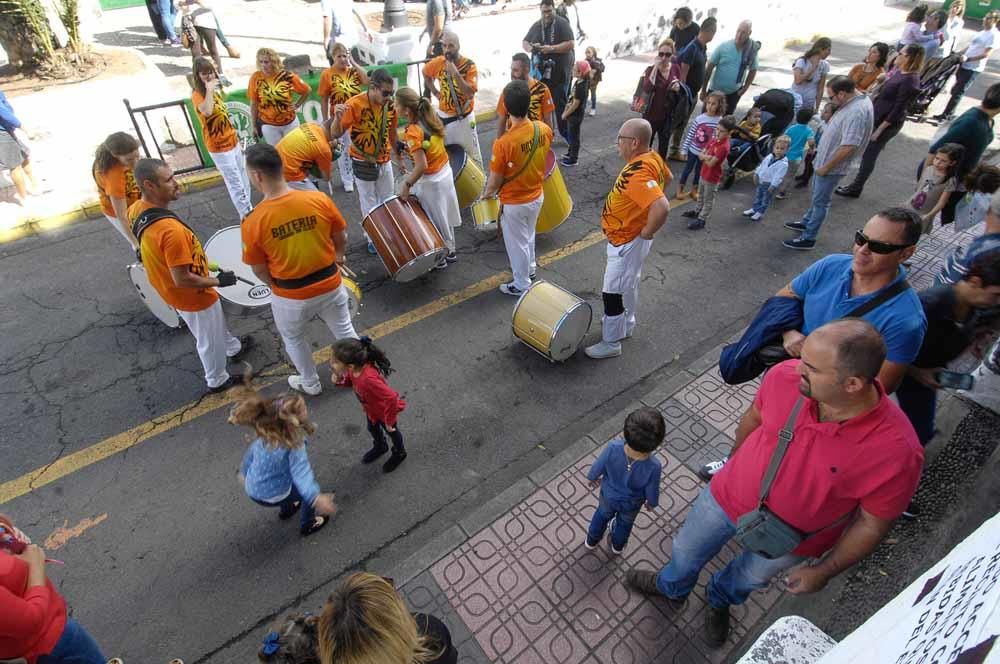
{"x": 188, "y": 34}
{"x": 762, "y": 532}
{"x": 641, "y": 97}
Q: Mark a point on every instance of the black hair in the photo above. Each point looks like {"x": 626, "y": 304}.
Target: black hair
{"x": 986, "y": 266}
{"x": 911, "y": 221}
{"x": 265, "y": 159}
{"x": 359, "y": 352}
{"x": 941, "y": 16}
{"x": 379, "y": 77}
{"x": 984, "y": 178}
{"x": 522, "y": 58}
{"x": 917, "y": 14}
{"x": 955, "y": 152}
{"x": 710, "y": 24}
{"x": 517, "y": 98}
{"x": 145, "y": 169}
{"x": 728, "y": 122}
{"x": 804, "y": 115}
{"x": 644, "y": 429}
{"x": 991, "y": 99}
{"x": 684, "y": 14}
{"x": 547, "y": 3}
{"x": 840, "y": 84}
{"x": 883, "y": 53}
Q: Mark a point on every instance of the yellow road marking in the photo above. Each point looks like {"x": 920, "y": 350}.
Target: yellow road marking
{"x": 108, "y": 447}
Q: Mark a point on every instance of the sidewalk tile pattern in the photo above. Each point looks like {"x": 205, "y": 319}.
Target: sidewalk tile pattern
{"x": 525, "y": 590}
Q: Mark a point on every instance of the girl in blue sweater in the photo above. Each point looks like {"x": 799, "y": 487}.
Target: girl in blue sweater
{"x": 275, "y": 471}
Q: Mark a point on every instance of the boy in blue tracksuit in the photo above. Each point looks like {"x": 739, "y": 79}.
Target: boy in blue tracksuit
{"x": 629, "y": 476}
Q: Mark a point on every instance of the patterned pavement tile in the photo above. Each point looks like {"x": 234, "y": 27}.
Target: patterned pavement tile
{"x": 715, "y": 403}
{"x": 424, "y": 595}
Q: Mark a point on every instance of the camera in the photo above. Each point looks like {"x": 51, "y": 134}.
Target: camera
{"x": 451, "y": 57}
{"x": 437, "y": 48}
{"x": 544, "y": 65}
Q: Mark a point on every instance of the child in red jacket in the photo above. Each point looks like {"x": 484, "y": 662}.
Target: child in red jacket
{"x": 360, "y": 364}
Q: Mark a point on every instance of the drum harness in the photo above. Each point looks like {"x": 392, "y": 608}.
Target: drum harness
{"x": 454, "y": 93}
{"x": 150, "y": 217}
{"x": 534, "y": 149}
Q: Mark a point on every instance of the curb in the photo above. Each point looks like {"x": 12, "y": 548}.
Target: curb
{"x": 91, "y": 208}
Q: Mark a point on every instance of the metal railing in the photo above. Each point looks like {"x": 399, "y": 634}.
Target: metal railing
{"x": 152, "y": 135}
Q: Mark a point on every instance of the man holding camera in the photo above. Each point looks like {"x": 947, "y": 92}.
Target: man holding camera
{"x": 550, "y": 42}
{"x": 829, "y": 497}
{"x": 454, "y": 80}
{"x": 437, "y": 16}
{"x": 541, "y": 105}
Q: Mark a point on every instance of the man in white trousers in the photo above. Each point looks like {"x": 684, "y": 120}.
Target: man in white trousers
{"x": 177, "y": 268}
{"x": 635, "y": 209}
{"x": 454, "y": 80}
{"x": 517, "y": 172}
{"x": 295, "y": 242}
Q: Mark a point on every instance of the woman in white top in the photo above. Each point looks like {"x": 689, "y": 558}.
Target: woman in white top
{"x": 954, "y": 26}
{"x": 974, "y": 58}
{"x": 204, "y": 42}
{"x": 810, "y": 72}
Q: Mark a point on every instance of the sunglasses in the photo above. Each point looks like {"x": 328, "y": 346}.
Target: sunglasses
{"x": 666, "y": 54}
{"x": 876, "y": 246}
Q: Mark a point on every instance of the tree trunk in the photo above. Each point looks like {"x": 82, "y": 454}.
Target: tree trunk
{"x": 25, "y": 33}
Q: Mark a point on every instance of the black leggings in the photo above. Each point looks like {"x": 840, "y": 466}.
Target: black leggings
{"x": 205, "y": 43}
{"x": 378, "y": 431}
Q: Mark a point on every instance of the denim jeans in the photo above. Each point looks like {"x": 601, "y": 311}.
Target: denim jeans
{"x": 693, "y": 164}
{"x": 705, "y": 531}
{"x": 593, "y": 98}
{"x": 75, "y": 646}
{"x": 822, "y": 193}
{"x": 168, "y": 16}
{"x": 306, "y": 513}
{"x": 919, "y": 403}
{"x": 762, "y": 197}
{"x": 622, "y": 511}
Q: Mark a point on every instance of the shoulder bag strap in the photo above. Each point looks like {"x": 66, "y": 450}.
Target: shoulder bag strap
{"x": 784, "y": 438}
{"x": 150, "y": 217}
{"x": 883, "y": 297}
{"x": 534, "y": 149}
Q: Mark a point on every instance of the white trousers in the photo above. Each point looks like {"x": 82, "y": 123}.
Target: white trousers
{"x": 518, "y": 224}
{"x": 437, "y": 195}
{"x": 302, "y": 185}
{"x": 461, "y": 132}
{"x": 232, "y": 167}
{"x": 214, "y": 341}
{"x": 291, "y": 317}
{"x": 117, "y": 224}
{"x": 622, "y": 275}
{"x": 346, "y": 172}
{"x": 373, "y": 194}
{"x": 274, "y": 133}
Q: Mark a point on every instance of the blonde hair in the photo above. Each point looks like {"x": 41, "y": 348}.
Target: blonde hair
{"x": 364, "y": 621}
{"x": 280, "y": 420}
{"x": 334, "y": 49}
{"x": 783, "y": 140}
{"x": 271, "y": 53}
{"x": 409, "y": 99}
{"x": 667, "y": 42}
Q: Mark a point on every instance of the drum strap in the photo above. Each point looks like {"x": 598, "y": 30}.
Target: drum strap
{"x": 308, "y": 280}
{"x": 150, "y": 217}
{"x": 534, "y": 149}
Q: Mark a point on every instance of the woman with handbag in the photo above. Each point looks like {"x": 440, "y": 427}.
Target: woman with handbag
{"x": 198, "y": 32}
{"x": 653, "y": 98}
{"x": 271, "y": 91}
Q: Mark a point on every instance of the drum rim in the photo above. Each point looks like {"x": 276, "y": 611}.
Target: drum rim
{"x": 414, "y": 260}
{"x": 243, "y": 307}
{"x": 128, "y": 272}
{"x": 555, "y": 327}
{"x": 376, "y": 230}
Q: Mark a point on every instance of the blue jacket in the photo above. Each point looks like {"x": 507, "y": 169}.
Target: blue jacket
{"x": 269, "y": 472}
{"x": 8, "y": 120}
{"x": 739, "y": 361}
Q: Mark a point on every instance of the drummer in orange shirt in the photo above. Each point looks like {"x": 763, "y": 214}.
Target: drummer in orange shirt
{"x": 517, "y": 172}
{"x": 635, "y": 209}
{"x": 454, "y": 80}
{"x": 338, "y": 83}
{"x": 306, "y": 152}
{"x": 177, "y": 268}
{"x": 295, "y": 242}
{"x": 541, "y": 107}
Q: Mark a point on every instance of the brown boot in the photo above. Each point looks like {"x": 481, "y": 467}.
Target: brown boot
{"x": 233, "y": 53}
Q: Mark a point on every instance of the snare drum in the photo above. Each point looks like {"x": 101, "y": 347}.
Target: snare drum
{"x": 156, "y": 304}
{"x": 404, "y": 237}
{"x": 469, "y": 178}
{"x": 486, "y": 213}
{"x": 249, "y": 293}
{"x": 551, "y": 320}
{"x": 557, "y": 205}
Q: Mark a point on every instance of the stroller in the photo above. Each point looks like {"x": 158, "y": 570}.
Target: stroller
{"x": 777, "y": 110}
{"x": 933, "y": 80}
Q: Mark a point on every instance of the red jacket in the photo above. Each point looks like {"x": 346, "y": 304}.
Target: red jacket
{"x": 381, "y": 402}
{"x": 31, "y": 619}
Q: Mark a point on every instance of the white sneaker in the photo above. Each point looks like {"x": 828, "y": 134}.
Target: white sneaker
{"x": 749, "y": 213}
{"x": 756, "y": 216}
{"x": 592, "y": 112}
{"x": 295, "y": 382}
{"x": 602, "y": 350}
{"x": 709, "y": 470}
{"x": 349, "y": 187}
{"x": 510, "y": 289}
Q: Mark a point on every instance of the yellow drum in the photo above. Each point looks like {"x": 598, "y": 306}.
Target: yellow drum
{"x": 469, "y": 178}
{"x": 353, "y": 296}
{"x": 551, "y": 320}
{"x": 557, "y": 205}
{"x": 486, "y": 213}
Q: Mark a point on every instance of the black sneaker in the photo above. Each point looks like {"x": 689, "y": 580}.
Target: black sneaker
{"x": 644, "y": 581}
{"x": 234, "y": 380}
{"x": 799, "y": 243}
{"x": 696, "y": 224}
{"x": 566, "y": 161}
{"x": 451, "y": 257}
{"x": 690, "y": 214}
{"x": 912, "y": 510}
{"x": 795, "y": 226}
{"x": 375, "y": 452}
{"x": 394, "y": 461}
{"x": 246, "y": 345}
{"x": 716, "y": 625}
{"x": 848, "y": 191}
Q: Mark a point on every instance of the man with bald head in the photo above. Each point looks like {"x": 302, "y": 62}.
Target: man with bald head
{"x": 635, "y": 209}
{"x": 732, "y": 67}
{"x": 846, "y": 467}
{"x": 454, "y": 79}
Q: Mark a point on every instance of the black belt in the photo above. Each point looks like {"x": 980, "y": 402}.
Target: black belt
{"x": 453, "y": 118}
{"x": 308, "y": 280}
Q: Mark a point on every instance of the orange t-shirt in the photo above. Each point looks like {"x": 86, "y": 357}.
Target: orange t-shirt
{"x": 217, "y": 128}
{"x": 452, "y": 100}
{"x": 303, "y": 148}
{"x": 273, "y": 96}
{"x": 435, "y": 152}
{"x": 371, "y": 128}
{"x": 116, "y": 182}
{"x": 539, "y": 107}
{"x": 169, "y": 243}
{"x": 640, "y": 183}
{"x": 339, "y": 86}
{"x": 511, "y": 151}
{"x": 293, "y": 236}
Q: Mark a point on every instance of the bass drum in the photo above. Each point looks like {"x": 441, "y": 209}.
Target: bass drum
{"x": 249, "y": 294}
{"x": 551, "y": 320}
{"x": 156, "y": 304}
{"x": 404, "y": 238}
{"x": 557, "y": 205}
{"x": 469, "y": 178}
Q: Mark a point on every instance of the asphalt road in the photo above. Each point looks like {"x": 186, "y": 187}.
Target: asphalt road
{"x": 175, "y": 561}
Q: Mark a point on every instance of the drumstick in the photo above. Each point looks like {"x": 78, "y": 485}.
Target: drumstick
{"x": 348, "y": 271}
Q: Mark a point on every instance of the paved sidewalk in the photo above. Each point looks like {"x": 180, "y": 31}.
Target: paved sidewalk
{"x": 515, "y": 584}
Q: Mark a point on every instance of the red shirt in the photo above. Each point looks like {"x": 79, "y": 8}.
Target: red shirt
{"x": 31, "y": 619}
{"x": 381, "y": 402}
{"x": 719, "y": 148}
{"x": 871, "y": 461}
